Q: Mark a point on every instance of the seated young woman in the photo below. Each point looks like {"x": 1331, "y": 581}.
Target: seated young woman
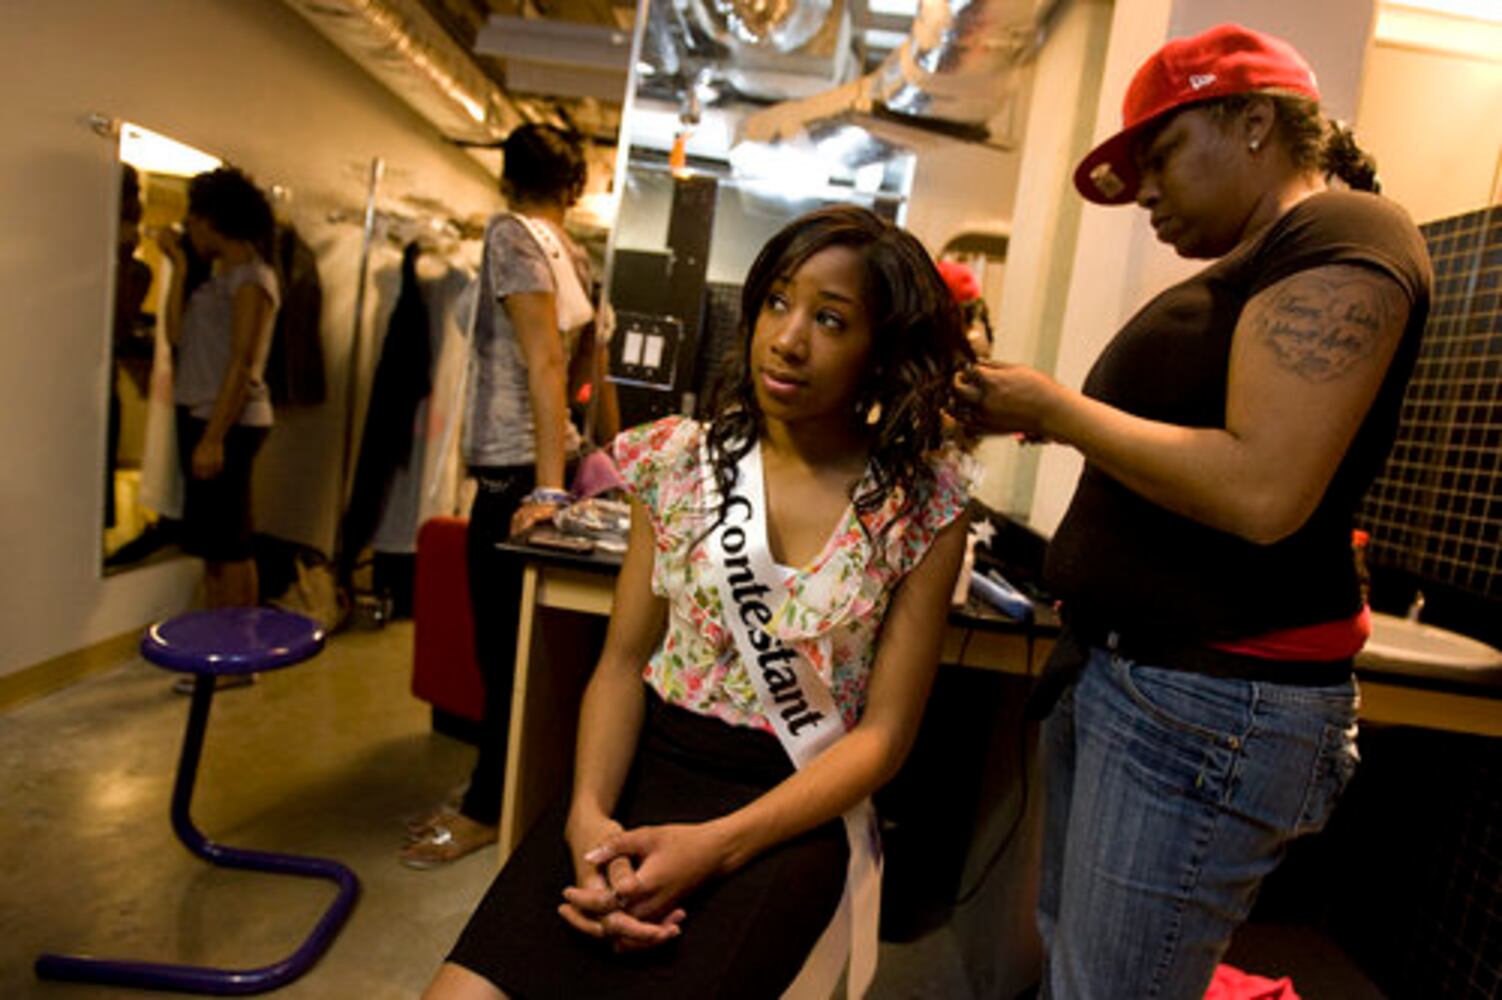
{"x": 783, "y": 598}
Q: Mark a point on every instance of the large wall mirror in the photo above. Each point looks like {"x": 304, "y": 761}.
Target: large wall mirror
{"x": 702, "y": 185}
{"x": 140, "y": 479}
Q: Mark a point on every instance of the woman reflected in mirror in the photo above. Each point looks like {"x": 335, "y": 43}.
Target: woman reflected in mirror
{"x": 222, "y": 335}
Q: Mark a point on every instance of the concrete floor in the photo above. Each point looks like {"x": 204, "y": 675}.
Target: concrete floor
{"x": 325, "y": 758}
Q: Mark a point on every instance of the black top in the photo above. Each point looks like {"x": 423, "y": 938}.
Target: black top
{"x": 1120, "y": 560}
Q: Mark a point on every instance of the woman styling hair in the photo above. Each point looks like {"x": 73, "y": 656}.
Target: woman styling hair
{"x": 1210, "y": 595}
{"x": 783, "y": 598}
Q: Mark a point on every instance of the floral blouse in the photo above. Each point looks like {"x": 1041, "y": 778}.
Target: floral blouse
{"x": 832, "y": 608}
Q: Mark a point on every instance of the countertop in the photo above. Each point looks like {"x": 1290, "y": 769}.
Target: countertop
{"x": 974, "y": 614}
{"x": 979, "y": 617}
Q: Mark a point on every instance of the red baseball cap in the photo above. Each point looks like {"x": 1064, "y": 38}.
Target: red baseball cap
{"x": 1227, "y": 59}
{"x": 961, "y": 281}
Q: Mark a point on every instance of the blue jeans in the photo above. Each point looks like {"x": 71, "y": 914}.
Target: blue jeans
{"x": 1170, "y": 795}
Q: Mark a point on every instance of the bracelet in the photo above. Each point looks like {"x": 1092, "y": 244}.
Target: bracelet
{"x": 560, "y": 498}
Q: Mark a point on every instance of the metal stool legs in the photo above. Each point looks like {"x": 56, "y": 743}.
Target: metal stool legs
{"x": 204, "y": 979}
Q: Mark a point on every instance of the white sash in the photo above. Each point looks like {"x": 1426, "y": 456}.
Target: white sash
{"x": 572, "y": 300}
{"x": 802, "y": 711}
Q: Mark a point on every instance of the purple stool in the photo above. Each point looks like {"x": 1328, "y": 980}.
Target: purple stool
{"x": 207, "y": 644}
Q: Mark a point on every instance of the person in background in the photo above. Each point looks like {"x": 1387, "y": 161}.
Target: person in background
{"x": 973, "y": 312}
{"x": 222, "y": 334}
{"x": 534, "y": 341}
{"x": 132, "y": 282}
{"x": 693, "y": 857}
{"x": 1206, "y": 711}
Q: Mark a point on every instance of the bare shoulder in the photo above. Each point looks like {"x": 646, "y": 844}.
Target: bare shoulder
{"x": 1329, "y": 322}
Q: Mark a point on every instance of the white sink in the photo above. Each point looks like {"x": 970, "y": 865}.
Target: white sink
{"x": 1399, "y": 642}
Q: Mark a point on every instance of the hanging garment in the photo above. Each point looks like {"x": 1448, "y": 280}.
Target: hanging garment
{"x": 294, "y": 369}
{"x": 402, "y": 382}
{"x": 443, "y": 472}
{"x": 396, "y": 531}
{"x": 161, "y": 475}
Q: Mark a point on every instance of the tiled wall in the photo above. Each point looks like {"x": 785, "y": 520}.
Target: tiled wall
{"x": 1409, "y": 872}
{"x": 1436, "y": 510}
{"x": 1435, "y": 515}
{"x": 720, "y": 336}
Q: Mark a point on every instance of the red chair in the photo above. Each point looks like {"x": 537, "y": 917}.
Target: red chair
{"x": 445, "y": 673}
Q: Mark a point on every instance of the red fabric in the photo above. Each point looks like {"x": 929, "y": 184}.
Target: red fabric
{"x": 1227, "y": 59}
{"x": 1230, "y": 983}
{"x": 961, "y": 281}
{"x": 445, "y": 672}
{"x": 1326, "y": 641}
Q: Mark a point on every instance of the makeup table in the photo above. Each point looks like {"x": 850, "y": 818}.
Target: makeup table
{"x": 565, "y": 605}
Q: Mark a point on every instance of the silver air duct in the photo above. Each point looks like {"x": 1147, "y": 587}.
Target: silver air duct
{"x": 402, "y": 45}
{"x": 950, "y": 67}
{"x": 949, "y": 76}
{"x": 781, "y": 25}
{"x": 780, "y": 48}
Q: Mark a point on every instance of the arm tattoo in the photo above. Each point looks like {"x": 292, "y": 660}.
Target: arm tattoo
{"x": 1321, "y": 326}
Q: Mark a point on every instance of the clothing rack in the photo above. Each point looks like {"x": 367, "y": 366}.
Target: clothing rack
{"x": 437, "y": 232}
{"x": 433, "y": 233}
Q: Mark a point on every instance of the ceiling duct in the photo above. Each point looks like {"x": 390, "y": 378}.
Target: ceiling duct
{"x": 402, "y": 45}
{"x": 949, "y": 68}
{"x": 950, "y": 76}
{"x": 559, "y": 58}
{"x": 779, "y": 25}
{"x": 777, "y": 49}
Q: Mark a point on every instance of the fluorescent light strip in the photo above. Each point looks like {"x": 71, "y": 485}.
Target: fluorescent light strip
{"x": 153, "y": 153}
{"x": 1404, "y": 26}
{"x": 1481, "y": 10}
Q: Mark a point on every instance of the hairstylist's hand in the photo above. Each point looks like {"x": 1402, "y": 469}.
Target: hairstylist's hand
{"x": 670, "y": 861}
{"x": 529, "y": 515}
{"x": 593, "y": 906}
{"x": 994, "y": 397}
{"x": 208, "y": 458}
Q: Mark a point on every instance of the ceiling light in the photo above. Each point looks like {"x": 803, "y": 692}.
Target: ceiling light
{"x": 153, "y": 153}
{"x": 1481, "y": 10}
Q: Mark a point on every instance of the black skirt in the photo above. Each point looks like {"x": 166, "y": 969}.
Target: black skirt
{"x": 745, "y": 936}
{"x": 217, "y": 512}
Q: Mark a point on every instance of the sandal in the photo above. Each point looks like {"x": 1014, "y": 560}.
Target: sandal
{"x": 448, "y": 838}
{"x": 419, "y": 827}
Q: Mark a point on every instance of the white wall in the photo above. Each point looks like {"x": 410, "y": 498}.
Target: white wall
{"x": 249, "y": 81}
{"x": 1045, "y": 224}
{"x": 1433, "y": 120}
{"x": 959, "y": 187}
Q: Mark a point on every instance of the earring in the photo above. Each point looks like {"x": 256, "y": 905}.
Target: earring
{"x": 1254, "y": 145}
{"x": 873, "y": 415}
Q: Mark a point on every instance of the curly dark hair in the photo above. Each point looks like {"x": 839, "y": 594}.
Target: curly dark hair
{"x": 975, "y": 311}
{"x": 230, "y": 202}
{"x": 543, "y": 163}
{"x": 917, "y": 344}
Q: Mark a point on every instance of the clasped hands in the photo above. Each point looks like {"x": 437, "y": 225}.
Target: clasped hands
{"x": 996, "y": 397}
{"x": 628, "y": 882}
